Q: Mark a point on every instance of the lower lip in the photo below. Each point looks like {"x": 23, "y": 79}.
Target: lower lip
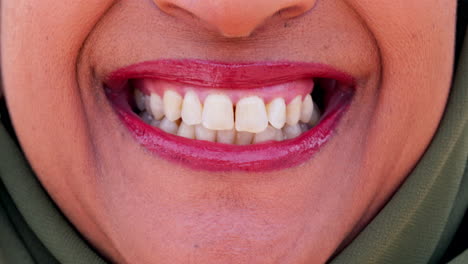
{"x": 210, "y": 156}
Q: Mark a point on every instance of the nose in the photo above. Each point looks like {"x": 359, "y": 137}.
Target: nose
{"x": 235, "y": 18}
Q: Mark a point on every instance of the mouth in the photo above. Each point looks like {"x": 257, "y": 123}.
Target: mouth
{"x": 230, "y": 117}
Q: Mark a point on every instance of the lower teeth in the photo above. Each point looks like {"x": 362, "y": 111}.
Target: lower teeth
{"x": 199, "y": 132}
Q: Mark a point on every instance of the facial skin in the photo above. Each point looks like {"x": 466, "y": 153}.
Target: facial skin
{"x": 137, "y": 208}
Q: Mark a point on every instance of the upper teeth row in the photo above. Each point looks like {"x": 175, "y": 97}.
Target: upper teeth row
{"x": 250, "y": 114}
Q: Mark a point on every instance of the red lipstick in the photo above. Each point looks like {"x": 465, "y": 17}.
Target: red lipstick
{"x": 336, "y": 92}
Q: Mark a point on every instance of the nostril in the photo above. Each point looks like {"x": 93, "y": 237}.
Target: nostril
{"x": 174, "y": 10}
{"x": 290, "y": 12}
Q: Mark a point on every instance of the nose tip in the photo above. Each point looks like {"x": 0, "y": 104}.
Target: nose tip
{"x": 235, "y": 18}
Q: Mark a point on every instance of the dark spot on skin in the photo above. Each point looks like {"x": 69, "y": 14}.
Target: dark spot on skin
{"x": 286, "y": 24}
{"x": 196, "y": 246}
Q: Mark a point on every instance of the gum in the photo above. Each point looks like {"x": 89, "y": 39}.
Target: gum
{"x": 287, "y": 91}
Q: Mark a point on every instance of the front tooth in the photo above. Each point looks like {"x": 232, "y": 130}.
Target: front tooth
{"x": 276, "y": 110}
{"x": 292, "y": 131}
{"x": 186, "y": 131}
{"x": 203, "y": 133}
{"x": 218, "y": 112}
{"x": 307, "y": 109}
{"x": 293, "y": 111}
{"x": 191, "y": 109}
{"x": 168, "y": 126}
{"x": 172, "y": 105}
{"x": 140, "y": 99}
{"x": 155, "y": 105}
{"x": 226, "y": 136}
{"x": 244, "y": 138}
{"x": 251, "y": 115}
{"x": 270, "y": 133}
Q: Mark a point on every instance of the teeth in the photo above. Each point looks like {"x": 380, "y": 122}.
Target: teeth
{"x": 254, "y": 122}
{"x": 146, "y": 117}
{"x": 140, "y": 99}
{"x": 293, "y": 111}
{"x": 279, "y": 136}
{"x": 292, "y": 131}
{"x": 155, "y": 123}
{"x": 218, "y": 112}
{"x": 172, "y": 105}
{"x": 203, "y": 133}
{"x": 168, "y": 126}
{"x": 270, "y": 133}
{"x": 186, "y": 131}
{"x": 276, "y": 110}
{"x": 304, "y": 127}
{"x": 191, "y": 109}
{"x": 307, "y": 109}
{"x": 315, "y": 116}
{"x": 155, "y": 105}
{"x": 244, "y": 138}
{"x": 226, "y": 136}
{"x": 251, "y": 115}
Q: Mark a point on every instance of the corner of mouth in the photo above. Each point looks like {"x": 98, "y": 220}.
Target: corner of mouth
{"x": 217, "y": 116}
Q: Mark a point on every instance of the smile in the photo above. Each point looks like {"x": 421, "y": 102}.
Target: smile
{"x": 223, "y": 117}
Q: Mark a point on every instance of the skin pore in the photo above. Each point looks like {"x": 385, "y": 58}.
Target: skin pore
{"x": 137, "y": 208}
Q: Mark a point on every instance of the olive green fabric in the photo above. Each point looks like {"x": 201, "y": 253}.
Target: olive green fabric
{"x": 32, "y": 229}
{"x": 416, "y": 226}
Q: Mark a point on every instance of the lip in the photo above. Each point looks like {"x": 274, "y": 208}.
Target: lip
{"x": 210, "y": 156}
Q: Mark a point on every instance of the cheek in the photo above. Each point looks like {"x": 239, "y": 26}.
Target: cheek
{"x": 40, "y": 85}
{"x": 39, "y": 74}
{"x": 416, "y": 47}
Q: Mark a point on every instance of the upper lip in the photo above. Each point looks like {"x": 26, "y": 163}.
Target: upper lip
{"x": 212, "y": 74}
